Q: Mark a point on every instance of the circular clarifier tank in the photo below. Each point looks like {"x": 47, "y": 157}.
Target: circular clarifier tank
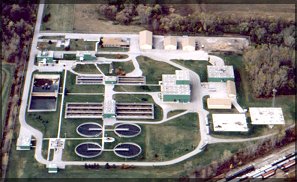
{"x": 88, "y": 150}
{"x": 127, "y": 150}
{"x": 89, "y": 129}
{"x": 127, "y": 130}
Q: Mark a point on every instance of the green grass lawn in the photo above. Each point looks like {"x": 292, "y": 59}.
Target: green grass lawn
{"x": 50, "y": 47}
{"x": 126, "y": 66}
{"x": 46, "y": 122}
{"x": 153, "y": 69}
{"x": 60, "y": 19}
{"x": 69, "y": 56}
{"x": 132, "y": 88}
{"x": 200, "y": 67}
{"x": 74, "y": 88}
{"x": 172, "y": 139}
{"x": 83, "y": 98}
{"x": 81, "y": 45}
{"x": 104, "y": 68}
{"x": 112, "y": 49}
{"x": 7, "y": 72}
{"x": 86, "y": 68}
{"x": 175, "y": 112}
{"x": 135, "y": 98}
{"x": 112, "y": 56}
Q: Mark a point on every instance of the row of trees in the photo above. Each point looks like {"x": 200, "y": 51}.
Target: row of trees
{"x": 17, "y": 27}
{"x": 269, "y": 67}
{"x": 160, "y": 19}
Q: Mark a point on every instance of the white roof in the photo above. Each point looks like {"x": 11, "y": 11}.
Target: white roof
{"x": 24, "y": 138}
{"x": 109, "y": 107}
{"x": 45, "y": 54}
{"x": 229, "y": 122}
{"x": 220, "y": 71}
{"x": 176, "y": 90}
{"x": 182, "y": 75}
{"x": 145, "y": 37}
{"x": 110, "y": 78}
{"x": 266, "y": 115}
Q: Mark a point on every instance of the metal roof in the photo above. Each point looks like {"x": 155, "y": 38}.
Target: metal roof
{"x": 182, "y": 75}
{"x": 145, "y": 37}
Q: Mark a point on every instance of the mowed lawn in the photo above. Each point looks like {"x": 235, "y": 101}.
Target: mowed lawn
{"x": 61, "y": 17}
{"x": 7, "y": 72}
{"x": 86, "y": 68}
{"x": 153, "y": 69}
{"x": 172, "y": 139}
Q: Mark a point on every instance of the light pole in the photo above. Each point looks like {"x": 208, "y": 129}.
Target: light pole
{"x": 273, "y": 99}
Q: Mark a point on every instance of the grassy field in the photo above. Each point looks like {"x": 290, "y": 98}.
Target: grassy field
{"x": 175, "y": 112}
{"x": 197, "y": 66}
{"x": 81, "y": 45}
{"x": 132, "y": 88}
{"x": 126, "y": 66}
{"x": 46, "y": 122}
{"x": 135, "y": 98}
{"x": 73, "y": 88}
{"x": 48, "y": 46}
{"x": 7, "y": 72}
{"x": 112, "y": 56}
{"x": 61, "y": 19}
{"x": 153, "y": 69}
{"x": 104, "y": 68}
{"x": 112, "y": 49}
{"x": 173, "y": 138}
{"x": 86, "y": 68}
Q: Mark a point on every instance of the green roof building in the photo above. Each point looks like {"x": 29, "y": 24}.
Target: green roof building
{"x": 109, "y": 109}
{"x": 110, "y": 80}
{"x": 45, "y": 56}
{"x": 176, "y": 88}
{"x": 85, "y": 56}
{"x": 220, "y": 73}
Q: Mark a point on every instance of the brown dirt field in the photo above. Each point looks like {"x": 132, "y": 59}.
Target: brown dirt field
{"x": 86, "y": 19}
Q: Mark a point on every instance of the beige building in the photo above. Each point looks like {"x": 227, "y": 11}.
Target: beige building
{"x": 188, "y": 43}
{"x": 219, "y": 103}
{"x": 231, "y": 89}
{"x": 145, "y": 40}
{"x": 114, "y": 42}
{"x": 170, "y": 43}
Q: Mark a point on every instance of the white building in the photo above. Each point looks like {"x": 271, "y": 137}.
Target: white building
{"x": 229, "y": 122}
{"x": 170, "y": 43}
{"x": 267, "y": 115}
{"x": 188, "y": 43}
{"x": 145, "y": 40}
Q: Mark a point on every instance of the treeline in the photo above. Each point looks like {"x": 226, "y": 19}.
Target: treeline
{"x": 161, "y": 19}
{"x": 17, "y": 27}
{"x": 269, "y": 67}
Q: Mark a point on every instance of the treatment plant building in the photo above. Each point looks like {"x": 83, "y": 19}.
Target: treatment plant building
{"x": 176, "y": 87}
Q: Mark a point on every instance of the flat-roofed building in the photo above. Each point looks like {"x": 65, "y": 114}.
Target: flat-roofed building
{"x": 114, "y": 42}
{"x": 170, "y": 43}
{"x": 182, "y": 77}
{"x": 188, "y": 43}
{"x": 84, "y": 56}
{"x": 145, "y": 40}
{"x": 24, "y": 140}
{"x": 219, "y": 103}
{"x": 267, "y": 115}
{"x": 109, "y": 109}
{"x": 229, "y": 122}
{"x": 220, "y": 73}
{"x": 45, "y": 57}
{"x": 172, "y": 92}
{"x": 231, "y": 89}
{"x": 110, "y": 80}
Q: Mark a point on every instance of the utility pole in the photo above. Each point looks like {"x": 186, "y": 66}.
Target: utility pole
{"x": 273, "y": 99}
